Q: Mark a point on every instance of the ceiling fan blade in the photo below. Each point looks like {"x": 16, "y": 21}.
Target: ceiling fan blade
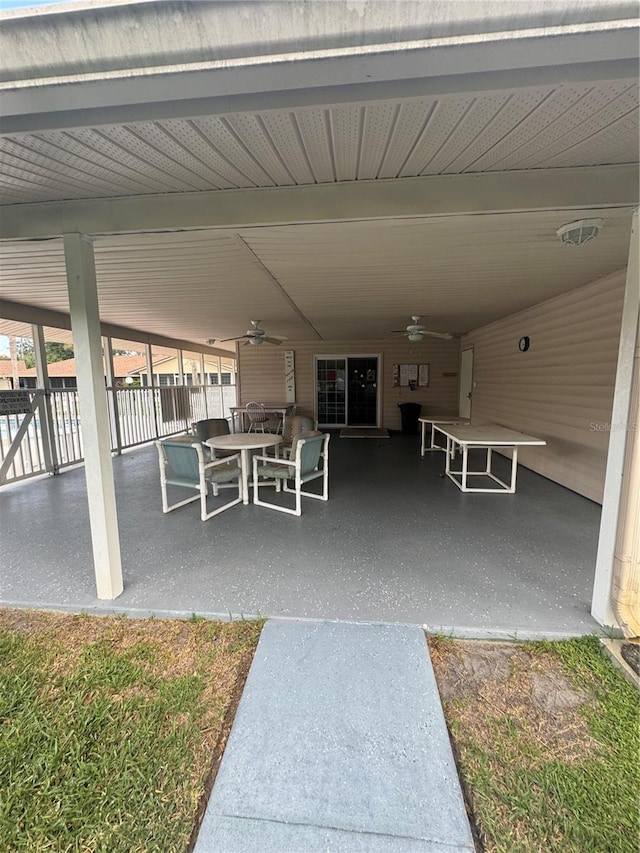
{"x": 273, "y": 340}
{"x": 446, "y": 336}
{"x": 239, "y": 338}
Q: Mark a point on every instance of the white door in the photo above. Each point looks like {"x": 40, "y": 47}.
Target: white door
{"x": 466, "y": 383}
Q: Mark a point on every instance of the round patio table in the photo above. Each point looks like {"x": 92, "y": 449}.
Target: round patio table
{"x": 244, "y": 442}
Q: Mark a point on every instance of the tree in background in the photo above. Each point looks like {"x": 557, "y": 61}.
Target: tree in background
{"x": 55, "y": 351}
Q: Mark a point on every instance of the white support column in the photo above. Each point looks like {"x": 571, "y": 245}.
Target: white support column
{"x": 112, "y": 393}
{"x": 601, "y": 608}
{"x": 46, "y": 415}
{"x": 149, "y": 360}
{"x": 85, "y": 325}
{"x": 180, "y": 356}
{"x": 150, "y": 382}
{"x": 203, "y": 383}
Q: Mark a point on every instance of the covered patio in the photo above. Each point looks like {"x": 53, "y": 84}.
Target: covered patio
{"x": 334, "y": 171}
{"x": 395, "y": 543}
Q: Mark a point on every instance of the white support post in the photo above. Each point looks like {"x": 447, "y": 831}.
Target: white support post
{"x": 152, "y": 394}
{"x": 46, "y": 415}
{"x": 85, "y": 325}
{"x": 149, "y": 360}
{"x": 601, "y": 608}
{"x": 112, "y": 393}
{"x": 180, "y": 367}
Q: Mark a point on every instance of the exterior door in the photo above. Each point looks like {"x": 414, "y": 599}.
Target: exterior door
{"x": 466, "y": 383}
{"x": 331, "y": 390}
{"x": 362, "y": 392}
{"x": 347, "y": 391}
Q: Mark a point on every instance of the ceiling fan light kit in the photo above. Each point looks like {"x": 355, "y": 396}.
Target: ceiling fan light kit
{"x": 415, "y": 332}
{"x": 254, "y": 336}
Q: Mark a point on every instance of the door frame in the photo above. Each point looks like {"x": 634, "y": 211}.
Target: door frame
{"x": 347, "y": 356}
{"x": 471, "y": 385}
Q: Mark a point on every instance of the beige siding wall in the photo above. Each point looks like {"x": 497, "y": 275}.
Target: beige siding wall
{"x": 562, "y": 388}
{"x": 262, "y": 373}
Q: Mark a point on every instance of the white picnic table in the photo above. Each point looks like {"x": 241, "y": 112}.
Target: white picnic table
{"x": 488, "y": 437}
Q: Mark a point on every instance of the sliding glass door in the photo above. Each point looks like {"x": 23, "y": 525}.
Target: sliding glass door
{"x": 331, "y": 385}
{"x": 347, "y": 391}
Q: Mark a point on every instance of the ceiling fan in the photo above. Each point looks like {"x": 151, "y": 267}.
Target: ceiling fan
{"x": 416, "y": 333}
{"x": 254, "y": 336}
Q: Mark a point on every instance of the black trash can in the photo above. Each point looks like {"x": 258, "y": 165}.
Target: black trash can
{"x": 409, "y": 413}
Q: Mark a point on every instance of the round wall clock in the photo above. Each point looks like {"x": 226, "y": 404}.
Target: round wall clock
{"x": 524, "y": 343}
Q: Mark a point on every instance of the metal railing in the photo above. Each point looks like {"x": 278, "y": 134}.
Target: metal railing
{"x": 49, "y": 437}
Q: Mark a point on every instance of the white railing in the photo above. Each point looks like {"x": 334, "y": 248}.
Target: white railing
{"x": 143, "y": 414}
{"x": 21, "y": 446}
{"x": 67, "y": 432}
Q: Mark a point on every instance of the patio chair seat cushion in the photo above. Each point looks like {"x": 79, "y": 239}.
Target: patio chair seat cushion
{"x": 187, "y": 482}
{"x": 275, "y": 472}
{"x": 223, "y": 474}
{"x": 279, "y": 472}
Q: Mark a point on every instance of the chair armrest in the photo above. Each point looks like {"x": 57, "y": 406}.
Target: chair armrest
{"x": 223, "y": 461}
{"x": 272, "y": 460}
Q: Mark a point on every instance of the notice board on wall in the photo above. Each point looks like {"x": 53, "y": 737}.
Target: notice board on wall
{"x": 410, "y": 375}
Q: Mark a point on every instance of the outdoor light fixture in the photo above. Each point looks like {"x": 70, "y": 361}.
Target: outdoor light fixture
{"x": 580, "y": 232}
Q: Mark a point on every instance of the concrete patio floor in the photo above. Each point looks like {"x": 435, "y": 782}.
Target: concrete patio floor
{"x": 395, "y": 543}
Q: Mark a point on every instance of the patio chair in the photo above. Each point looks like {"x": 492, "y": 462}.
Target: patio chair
{"x": 257, "y": 416}
{"x": 184, "y": 465}
{"x": 293, "y": 426}
{"x": 211, "y": 428}
{"x": 309, "y": 461}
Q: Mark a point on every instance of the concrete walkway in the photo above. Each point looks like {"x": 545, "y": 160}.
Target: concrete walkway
{"x": 339, "y": 744}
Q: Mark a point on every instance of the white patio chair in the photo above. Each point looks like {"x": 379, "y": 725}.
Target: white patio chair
{"x": 257, "y": 416}
{"x": 294, "y": 426}
{"x": 211, "y": 428}
{"x": 309, "y": 461}
{"x": 184, "y": 465}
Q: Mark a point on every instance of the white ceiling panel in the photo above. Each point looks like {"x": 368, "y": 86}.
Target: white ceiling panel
{"x": 377, "y": 123}
{"x": 538, "y": 127}
{"x": 339, "y": 281}
{"x": 313, "y": 126}
{"x": 239, "y": 160}
{"x": 411, "y": 121}
{"x": 353, "y": 279}
{"x": 251, "y": 133}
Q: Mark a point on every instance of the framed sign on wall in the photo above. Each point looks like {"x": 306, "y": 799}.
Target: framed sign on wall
{"x": 289, "y": 377}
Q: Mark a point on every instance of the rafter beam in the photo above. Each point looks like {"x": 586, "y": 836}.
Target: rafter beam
{"x": 439, "y": 195}
{"x": 33, "y": 315}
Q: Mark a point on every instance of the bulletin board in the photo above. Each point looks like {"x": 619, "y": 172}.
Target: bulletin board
{"x": 410, "y": 375}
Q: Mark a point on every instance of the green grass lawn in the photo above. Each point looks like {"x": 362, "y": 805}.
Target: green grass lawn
{"x": 109, "y": 727}
{"x": 111, "y": 731}
{"x": 547, "y": 742}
